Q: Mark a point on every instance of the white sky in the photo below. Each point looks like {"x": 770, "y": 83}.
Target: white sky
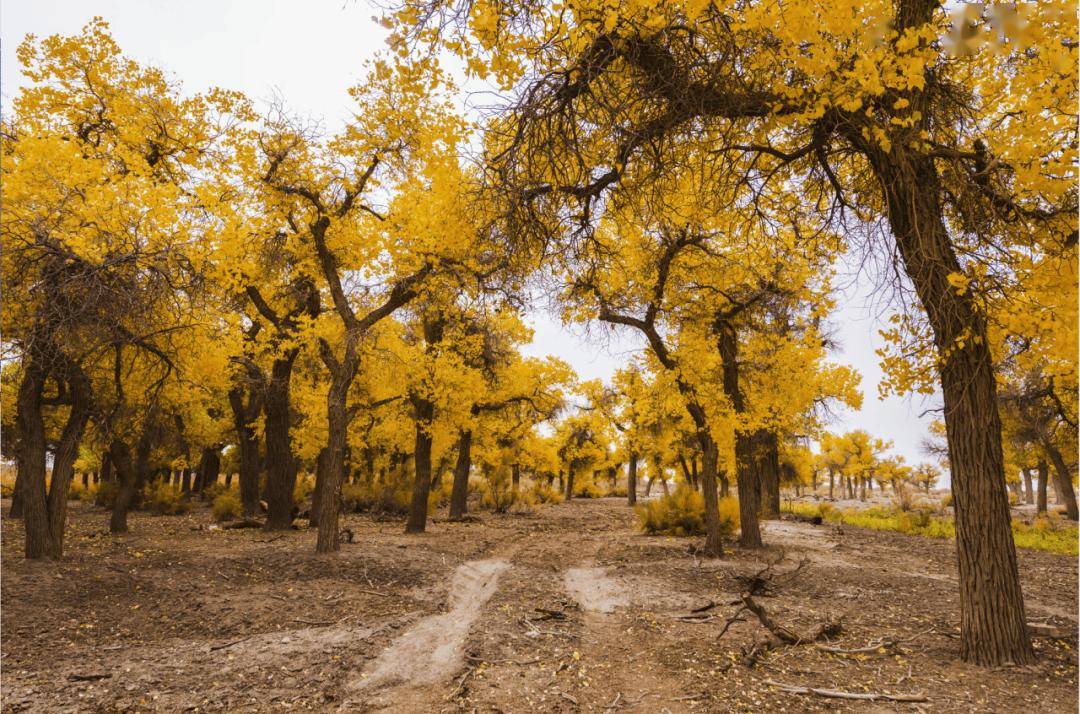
{"x": 309, "y": 53}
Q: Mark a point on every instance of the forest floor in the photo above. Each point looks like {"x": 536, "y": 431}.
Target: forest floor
{"x": 179, "y": 616}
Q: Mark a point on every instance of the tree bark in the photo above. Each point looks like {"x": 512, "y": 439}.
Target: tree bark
{"x": 424, "y": 411}
{"x": 209, "y": 467}
{"x": 631, "y": 479}
{"x": 333, "y": 460}
{"x": 1063, "y": 479}
{"x": 1029, "y": 491}
{"x": 281, "y": 464}
{"x": 120, "y": 455}
{"x": 569, "y": 483}
{"x": 67, "y": 450}
{"x": 746, "y": 458}
{"x": 515, "y": 476}
{"x": 28, "y": 500}
{"x": 245, "y": 412}
{"x": 992, "y": 624}
{"x": 1043, "y": 473}
{"x": 459, "y": 494}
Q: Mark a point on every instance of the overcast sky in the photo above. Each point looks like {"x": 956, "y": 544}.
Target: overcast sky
{"x": 309, "y": 53}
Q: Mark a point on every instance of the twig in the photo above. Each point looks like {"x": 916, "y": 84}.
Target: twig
{"x": 214, "y": 648}
{"x": 314, "y": 623}
{"x": 520, "y": 663}
{"x": 461, "y": 683}
{"x": 837, "y": 694}
{"x": 567, "y": 697}
{"x": 708, "y": 606}
{"x": 690, "y": 697}
{"x": 614, "y": 702}
{"x": 374, "y": 592}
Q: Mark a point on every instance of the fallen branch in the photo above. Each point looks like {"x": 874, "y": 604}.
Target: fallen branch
{"x": 88, "y": 677}
{"x": 837, "y": 694}
{"x": 546, "y": 614}
{"x": 460, "y": 688}
{"x": 690, "y": 697}
{"x": 707, "y": 606}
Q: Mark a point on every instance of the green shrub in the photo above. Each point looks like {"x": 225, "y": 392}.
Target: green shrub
{"x": 165, "y": 500}
{"x": 227, "y": 505}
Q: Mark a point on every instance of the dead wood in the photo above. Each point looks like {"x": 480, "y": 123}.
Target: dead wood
{"x": 837, "y": 694}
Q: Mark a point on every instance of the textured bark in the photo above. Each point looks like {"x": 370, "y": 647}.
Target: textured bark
{"x": 424, "y": 411}
{"x": 459, "y": 493}
{"x": 1063, "y": 479}
{"x": 1029, "y": 491}
{"x": 280, "y": 462}
{"x": 209, "y": 467}
{"x": 992, "y": 624}
{"x": 569, "y": 493}
{"x": 334, "y": 459}
{"x": 29, "y": 500}
{"x": 631, "y": 479}
{"x": 714, "y": 545}
{"x": 316, "y": 494}
{"x": 515, "y": 476}
{"x": 120, "y": 455}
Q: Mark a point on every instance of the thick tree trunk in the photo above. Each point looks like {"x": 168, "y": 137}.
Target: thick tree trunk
{"x": 1063, "y": 479}
{"x": 185, "y": 480}
{"x": 459, "y": 493}
{"x": 569, "y": 483}
{"x": 425, "y": 411}
{"x": 1044, "y": 476}
{"x": 281, "y": 464}
{"x": 993, "y": 629}
{"x": 120, "y": 455}
{"x": 1029, "y": 491}
{"x": 334, "y": 459}
{"x": 631, "y": 479}
{"x": 29, "y": 497}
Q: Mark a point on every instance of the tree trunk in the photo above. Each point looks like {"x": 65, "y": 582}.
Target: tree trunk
{"x": 320, "y": 482}
{"x": 120, "y": 455}
{"x": 459, "y": 493}
{"x": 185, "y": 480}
{"x": 631, "y": 479}
{"x": 993, "y": 629}
{"x": 746, "y": 457}
{"x": 281, "y": 464}
{"x": 1029, "y": 491}
{"x": 1043, "y": 474}
{"x": 28, "y": 500}
{"x": 209, "y": 468}
{"x": 425, "y": 411}
{"x": 515, "y": 476}
{"x": 725, "y": 486}
{"x": 247, "y": 441}
{"x": 649, "y": 485}
{"x": 1063, "y": 479}
{"x": 714, "y": 545}
{"x": 569, "y": 483}
{"x": 334, "y": 458}
{"x": 67, "y": 450}
{"x": 832, "y": 484}
{"x": 769, "y": 475}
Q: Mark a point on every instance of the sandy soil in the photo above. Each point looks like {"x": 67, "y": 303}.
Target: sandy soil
{"x": 179, "y": 617}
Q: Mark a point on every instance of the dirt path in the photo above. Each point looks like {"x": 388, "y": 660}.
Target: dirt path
{"x": 568, "y": 610}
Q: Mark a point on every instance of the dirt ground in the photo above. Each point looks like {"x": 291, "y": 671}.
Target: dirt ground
{"x": 178, "y": 617}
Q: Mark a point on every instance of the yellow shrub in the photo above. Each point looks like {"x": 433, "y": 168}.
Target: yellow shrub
{"x": 542, "y": 493}
{"x": 165, "y": 500}
{"x": 305, "y": 484}
{"x": 394, "y": 498}
{"x": 682, "y": 513}
{"x": 226, "y": 505}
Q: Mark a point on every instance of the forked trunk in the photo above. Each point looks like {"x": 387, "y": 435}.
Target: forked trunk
{"x": 67, "y": 450}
